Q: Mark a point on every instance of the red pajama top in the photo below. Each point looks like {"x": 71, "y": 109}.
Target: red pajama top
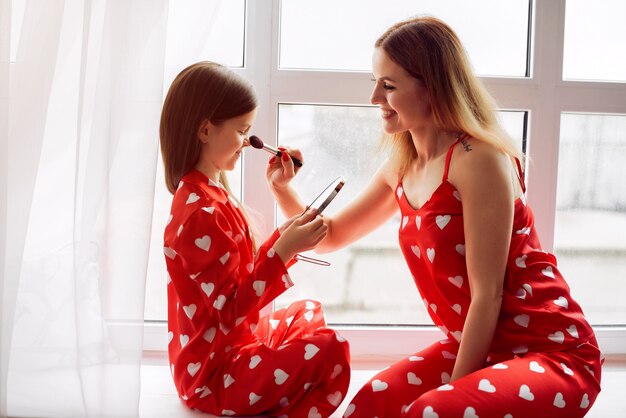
{"x": 216, "y": 287}
{"x": 537, "y": 314}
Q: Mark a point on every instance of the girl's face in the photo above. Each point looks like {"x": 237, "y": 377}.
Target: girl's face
{"x": 403, "y": 99}
{"x": 222, "y": 143}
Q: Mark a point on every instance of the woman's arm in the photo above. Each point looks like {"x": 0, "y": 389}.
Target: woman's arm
{"x": 369, "y": 210}
{"x": 482, "y": 175}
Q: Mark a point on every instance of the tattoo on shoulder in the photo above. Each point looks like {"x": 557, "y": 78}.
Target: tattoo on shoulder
{"x": 466, "y": 145}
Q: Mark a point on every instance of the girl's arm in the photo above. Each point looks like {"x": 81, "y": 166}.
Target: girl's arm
{"x": 230, "y": 282}
{"x": 482, "y": 175}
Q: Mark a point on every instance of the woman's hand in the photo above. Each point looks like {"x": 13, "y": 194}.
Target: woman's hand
{"x": 301, "y": 233}
{"x": 280, "y": 170}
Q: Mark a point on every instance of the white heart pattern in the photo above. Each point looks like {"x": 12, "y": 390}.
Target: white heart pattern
{"x": 562, "y": 302}
{"x": 456, "y": 308}
{"x": 336, "y": 371}
{"x": 416, "y": 251}
{"x": 500, "y": 366}
{"x": 429, "y": 412}
{"x": 559, "y": 402}
{"x": 448, "y": 355}
{"x": 219, "y": 302}
{"x": 254, "y": 361}
{"x": 573, "y": 331}
{"x": 567, "y": 370}
{"x": 205, "y": 391}
{"x": 228, "y": 380}
{"x": 192, "y": 198}
{"x": 209, "y": 209}
{"x": 418, "y": 222}
{"x": 460, "y": 248}
{"x": 399, "y": 192}
{"x": 486, "y": 386}
{"x": 525, "y": 393}
{"x": 207, "y": 288}
{"x": 280, "y": 376}
{"x": 457, "y": 281}
{"x": 536, "y": 367}
{"x": 334, "y": 398}
{"x": 314, "y": 413}
{"x": 584, "y": 403}
{"x": 548, "y": 272}
{"x": 557, "y": 337}
{"x": 430, "y": 253}
{"x": 405, "y": 220}
{"x": 169, "y": 252}
{"x": 445, "y": 378}
{"x": 184, "y": 339}
{"x": 192, "y": 368}
{"x": 209, "y": 334}
{"x": 413, "y": 379}
{"x": 379, "y": 385}
{"x": 445, "y": 388}
{"x": 470, "y": 413}
{"x": 442, "y": 221}
{"x": 349, "y": 410}
{"x": 254, "y": 398}
{"x": 224, "y": 258}
{"x": 203, "y": 243}
{"x": 522, "y": 320}
{"x": 170, "y": 337}
{"x": 190, "y": 310}
{"x": 259, "y": 287}
{"x": 416, "y": 358}
{"x": 521, "y": 261}
{"x": 310, "y": 350}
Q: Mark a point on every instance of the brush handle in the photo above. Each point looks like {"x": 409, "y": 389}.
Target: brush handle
{"x": 279, "y": 153}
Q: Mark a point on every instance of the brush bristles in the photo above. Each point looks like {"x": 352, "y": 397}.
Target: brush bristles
{"x": 256, "y": 142}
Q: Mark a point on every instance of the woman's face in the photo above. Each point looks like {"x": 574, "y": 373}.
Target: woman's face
{"x": 403, "y": 99}
{"x": 224, "y": 142}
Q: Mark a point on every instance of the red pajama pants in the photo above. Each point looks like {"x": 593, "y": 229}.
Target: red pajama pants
{"x": 300, "y": 368}
{"x": 553, "y": 384}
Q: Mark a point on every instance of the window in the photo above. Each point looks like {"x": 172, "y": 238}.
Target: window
{"x": 315, "y": 96}
{"x": 594, "y": 40}
{"x": 591, "y": 212}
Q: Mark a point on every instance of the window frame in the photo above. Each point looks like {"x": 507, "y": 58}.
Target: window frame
{"x": 544, "y": 95}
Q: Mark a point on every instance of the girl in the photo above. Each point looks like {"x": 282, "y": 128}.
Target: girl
{"x": 224, "y": 358}
{"x": 517, "y": 344}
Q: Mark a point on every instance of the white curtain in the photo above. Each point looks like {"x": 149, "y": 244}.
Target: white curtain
{"x": 80, "y": 96}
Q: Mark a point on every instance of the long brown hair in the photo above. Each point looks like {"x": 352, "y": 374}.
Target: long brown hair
{"x": 429, "y": 50}
{"x": 203, "y": 91}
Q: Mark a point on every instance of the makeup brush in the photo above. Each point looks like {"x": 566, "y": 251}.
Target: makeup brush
{"x": 256, "y": 142}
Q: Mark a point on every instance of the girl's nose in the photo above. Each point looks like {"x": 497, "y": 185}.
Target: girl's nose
{"x": 246, "y": 142}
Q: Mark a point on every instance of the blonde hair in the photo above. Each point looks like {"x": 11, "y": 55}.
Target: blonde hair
{"x": 429, "y": 50}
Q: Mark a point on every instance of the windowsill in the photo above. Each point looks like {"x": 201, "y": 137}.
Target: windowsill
{"x": 159, "y": 398}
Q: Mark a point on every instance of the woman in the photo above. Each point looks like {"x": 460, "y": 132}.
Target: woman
{"x": 225, "y": 358}
{"x": 516, "y": 343}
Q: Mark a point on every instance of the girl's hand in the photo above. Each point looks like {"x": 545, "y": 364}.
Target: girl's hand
{"x": 301, "y": 233}
{"x": 280, "y": 170}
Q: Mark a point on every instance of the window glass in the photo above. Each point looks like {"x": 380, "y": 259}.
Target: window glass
{"x": 594, "y": 40}
{"x": 590, "y": 243}
{"x": 368, "y": 282}
{"x": 339, "y": 35}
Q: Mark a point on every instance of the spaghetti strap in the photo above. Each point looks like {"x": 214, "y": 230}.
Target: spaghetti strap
{"x": 449, "y": 156}
{"x": 520, "y": 174}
